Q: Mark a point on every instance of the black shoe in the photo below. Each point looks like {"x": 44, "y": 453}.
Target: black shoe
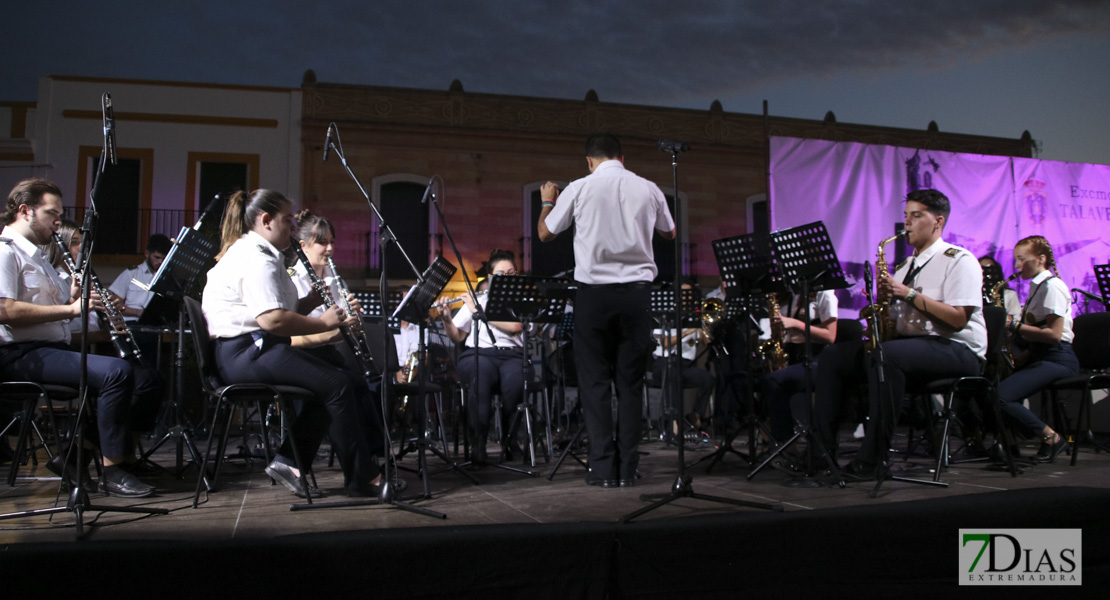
{"x": 1048, "y": 452}
{"x": 369, "y": 490}
{"x": 860, "y": 471}
{"x": 604, "y": 483}
{"x": 66, "y": 472}
{"x": 283, "y": 474}
{"x": 124, "y": 485}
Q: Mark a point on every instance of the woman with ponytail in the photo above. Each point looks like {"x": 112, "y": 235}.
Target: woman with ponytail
{"x": 1045, "y": 327}
{"x": 253, "y": 311}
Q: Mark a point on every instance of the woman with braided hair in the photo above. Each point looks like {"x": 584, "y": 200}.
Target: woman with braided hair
{"x": 1045, "y": 330}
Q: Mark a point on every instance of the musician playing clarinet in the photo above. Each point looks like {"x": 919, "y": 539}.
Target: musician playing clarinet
{"x": 35, "y": 307}
{"x": 253, "y": 312}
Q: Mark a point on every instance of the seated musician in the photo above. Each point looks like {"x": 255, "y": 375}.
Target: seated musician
{"x": 783, "y": 390}
{"x": 132, "y": 298}
{"x": 316, "y": 237}
{"x": 253, "y": 311}
{"x": 992, "y": 272}
{"x": 498, "y": 366}
{"x": 936, "y": 302}
{"x": 35, "y": 305}
{"x": 692, "y": 375}
{"x": 1044, "y": 328}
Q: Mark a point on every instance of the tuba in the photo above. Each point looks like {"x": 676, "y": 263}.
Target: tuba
{"x": 774, "y": 357}
{"x": 881, "y": 308}
{"x": 712, "y": 317}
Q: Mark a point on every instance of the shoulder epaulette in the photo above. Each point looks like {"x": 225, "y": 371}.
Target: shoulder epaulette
{"x": 951, "y": 252}
{"x": 5, "y": 240}
{"x": 265, "y": 250}
{"x": 292, "y": 272}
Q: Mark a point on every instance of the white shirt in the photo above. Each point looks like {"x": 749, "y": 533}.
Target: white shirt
{"x": 304, "y": 286}
{"x": 615, "y": 213}
{"x": 822, "y": 309}
{"x": 463, "y": 320}
{"x": 26, "y": 276}
{"x": 950, "y": 275}
{"x": 249, "y": 280}
{"x": 689, "y": 343}
{"x": 1049, "y": 297}
{"x": 133, "y": 296}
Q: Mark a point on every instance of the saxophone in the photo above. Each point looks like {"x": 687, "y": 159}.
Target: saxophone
{"x": 111, "y": 320}
{"x": 771, "y": 350}
{"x": 881, "y": 308}
{"x": 996, "y": 290}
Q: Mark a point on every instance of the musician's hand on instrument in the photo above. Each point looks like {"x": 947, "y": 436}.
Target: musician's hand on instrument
{"x": 96, "y": 303}
{"x": 468, "y": 302}
{"x": 353, "y": 321}
{"x": 333, "y": 317}
{"x": 790, "y": 322}
{"x": 356, "y": 308}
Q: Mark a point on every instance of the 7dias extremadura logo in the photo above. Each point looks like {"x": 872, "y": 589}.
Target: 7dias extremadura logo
{"x": 1021, "y": 557}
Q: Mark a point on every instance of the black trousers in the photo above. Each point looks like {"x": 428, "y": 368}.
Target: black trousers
{"x": 909, "y": 361}
{"x": 612, "y": 337}
{"x": 1049, "y": 364}
{"x": 127, "y": 395}
{"x": 692, "y": 376}
{"x": 784, "y": 396}
{"x": 335, "y": 410}
{"x": 495, "y": 369}
{"x": 368, "y": 392}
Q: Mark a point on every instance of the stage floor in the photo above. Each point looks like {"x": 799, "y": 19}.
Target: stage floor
{"x": 247, "y": 507}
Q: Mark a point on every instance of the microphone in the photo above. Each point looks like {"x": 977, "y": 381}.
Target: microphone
{"x": 428, "y": 190}
{"x": 109, "y": 128}
{"x": 1089, "y": 295}
{"x": 868, "y": 276}
{"x": 327, "y": 142}
{"x": 673, "y": 147}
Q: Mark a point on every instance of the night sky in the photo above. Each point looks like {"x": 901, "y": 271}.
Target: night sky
{"x": 991, "y": 67}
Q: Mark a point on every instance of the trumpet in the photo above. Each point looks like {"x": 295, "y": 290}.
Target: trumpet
{"x": 111, "y": 320}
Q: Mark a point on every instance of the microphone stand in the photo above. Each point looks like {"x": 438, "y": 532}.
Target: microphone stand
{"x": 386, "y": 496}
{"x": 78, "y": 502}
{"x": 479, "y": 316}
{"x": 683, "y": 484}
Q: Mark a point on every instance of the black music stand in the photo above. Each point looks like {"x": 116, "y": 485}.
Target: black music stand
{"x": 525, "y": 299}
{"x": 564, "y": 332}
{"x": 192, "y": 254}
{"x": 746, "y": 266}
{"x": 662, "y": 305}
{"x": 808, "y": 263}
{"x": 414, "y": 308}
{"x": 1102, "y": 274}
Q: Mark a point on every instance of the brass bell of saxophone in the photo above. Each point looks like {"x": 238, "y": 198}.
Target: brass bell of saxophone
{"x": 772, "y": 352}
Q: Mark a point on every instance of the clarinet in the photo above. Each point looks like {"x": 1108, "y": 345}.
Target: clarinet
{"x": 344, "y": 295}
{"x": 321, "y": 288}
{"x": 123, "y": 340}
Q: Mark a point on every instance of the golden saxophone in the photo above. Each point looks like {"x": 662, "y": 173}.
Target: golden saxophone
{"x": 881, "y": 308}
{"x": 771, "y": 350}
{"x": 111, "y": 320}
{"x": 996, "y": 290}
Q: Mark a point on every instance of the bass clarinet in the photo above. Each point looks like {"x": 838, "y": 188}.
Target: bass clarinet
{"x": 349, "y": 336}
{"x": 122, "y": 339}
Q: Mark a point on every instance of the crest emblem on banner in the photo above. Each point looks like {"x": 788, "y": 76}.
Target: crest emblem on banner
{"x": 1033, "y": 194}
{"x": 920, "y": 171}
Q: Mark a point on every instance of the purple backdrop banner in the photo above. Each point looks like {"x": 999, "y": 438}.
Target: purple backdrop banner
{"x": 859, "y": 191}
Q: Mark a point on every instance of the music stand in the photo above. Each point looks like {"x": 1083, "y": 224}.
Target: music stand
{"x": 564, "y": 331}
{"x": 525, "y": 299}
{"x": 414, "y": 308}
{"x": 750, "y": 273}
{"x": 1102, "y": 274}
{"x": 808, "y": 263}
{"x": 662, "y": 304}
{"x": 191, "y": 255}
